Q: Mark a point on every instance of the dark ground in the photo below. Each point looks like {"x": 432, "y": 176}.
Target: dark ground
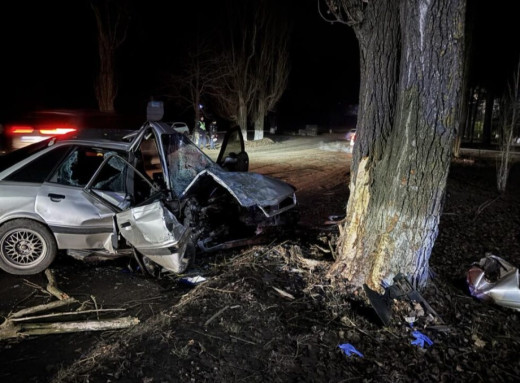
{"x": 237, "y": 327}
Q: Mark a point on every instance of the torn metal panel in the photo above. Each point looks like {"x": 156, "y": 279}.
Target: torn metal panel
{"x": 496, "y": 280}
{"x": 155, "y": 232}
{"x": 250, "y": 189}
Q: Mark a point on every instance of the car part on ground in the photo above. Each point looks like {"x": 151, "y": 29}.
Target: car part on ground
{"x": 495, "y": 280}
{"x": 152, "y": 193}
{"x": 402, "y": 289}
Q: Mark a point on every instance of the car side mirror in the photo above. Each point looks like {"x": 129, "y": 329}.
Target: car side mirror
{"x": 236, "y": 162}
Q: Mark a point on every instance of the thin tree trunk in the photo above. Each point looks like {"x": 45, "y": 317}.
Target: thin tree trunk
{"x": 488, "y": 114}
{"x": 112, "y": 25}
{"x": 259, "y": 119}
{"x": 474, "y": 112}
{"x": 242, "y": 116}
{"x": 466, "y": 90}
{"x": 510, "y": 115}
{"x": 106, "y": 86}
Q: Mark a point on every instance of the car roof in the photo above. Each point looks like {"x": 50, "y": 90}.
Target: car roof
{"x": 102, "y": 143}
{"x": 105, "y": 135}
{"x": 114, "y": 139}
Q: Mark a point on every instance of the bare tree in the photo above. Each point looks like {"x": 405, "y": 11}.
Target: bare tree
{"x": 254, "y": 63}
{"x": 272, "y": 66}
{"x": 411, "y": 71}
{"x": 201, "y": 79}
{"x": 234, "y": 95}
{"x": 112, "y": 20}
{"x": 510, "y": 110}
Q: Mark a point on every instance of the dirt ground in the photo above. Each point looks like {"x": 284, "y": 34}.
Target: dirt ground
{"x": 267, "y": 313}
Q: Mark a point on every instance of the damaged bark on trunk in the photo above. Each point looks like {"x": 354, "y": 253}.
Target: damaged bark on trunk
{"x": 242, "y": 116}
{"x": 411, "y": 56}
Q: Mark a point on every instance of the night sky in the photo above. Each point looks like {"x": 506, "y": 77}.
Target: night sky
{"x": 49, "y": 55}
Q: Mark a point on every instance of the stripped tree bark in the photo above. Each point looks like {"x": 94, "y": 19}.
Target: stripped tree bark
{"x": 20, "y": 323}
{"x": 10, "y": 329}
{"x": 52, "y": 287}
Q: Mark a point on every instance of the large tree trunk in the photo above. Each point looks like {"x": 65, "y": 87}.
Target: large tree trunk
{"x": 405, "y": 137}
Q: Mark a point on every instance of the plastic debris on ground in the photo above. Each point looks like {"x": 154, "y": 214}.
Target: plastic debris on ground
{"x": 192, "y": 281}
{"x": 495, "y": 280}
{"x": 349, "y": 350}
{"x": 401, "y": 290}
{"x": 421, "y": 339}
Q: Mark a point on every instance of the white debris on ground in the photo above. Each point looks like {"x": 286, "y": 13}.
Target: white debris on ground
{"x": 336, "y": 146}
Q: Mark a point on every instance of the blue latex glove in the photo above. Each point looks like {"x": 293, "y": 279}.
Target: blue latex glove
{"x": 349, "y": 349}
{"x": 420, "y": 339}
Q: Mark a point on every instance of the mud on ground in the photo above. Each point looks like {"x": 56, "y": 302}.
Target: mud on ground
{"x": 267, "y": 313}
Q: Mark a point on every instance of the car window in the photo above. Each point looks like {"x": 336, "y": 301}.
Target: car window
{"x": 39, "y": 169}
{"x": 184, "y": 161}
{"x": 18, "y": 155}
{"x": 121, "y": 185}
{"x": 232, "y": 144}
{"x": 79, "y": 167}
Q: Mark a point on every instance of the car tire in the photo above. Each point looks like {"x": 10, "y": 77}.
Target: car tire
{"x": 26, "y": 247}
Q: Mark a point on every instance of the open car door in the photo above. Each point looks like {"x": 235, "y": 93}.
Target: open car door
{"x": 144, "y": 220}
{"x": 233, "y": 156}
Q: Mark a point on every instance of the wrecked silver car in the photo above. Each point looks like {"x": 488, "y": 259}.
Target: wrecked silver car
{"x": 152, "y": 194}
{"x": 495, "y": 280}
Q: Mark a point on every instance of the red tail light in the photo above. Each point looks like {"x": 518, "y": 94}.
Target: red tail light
{"x": 56, "y": 129}
{"x": 20, "y": 129}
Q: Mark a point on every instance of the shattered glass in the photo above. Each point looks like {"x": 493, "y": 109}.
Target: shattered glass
{"x": 184, "y": 161}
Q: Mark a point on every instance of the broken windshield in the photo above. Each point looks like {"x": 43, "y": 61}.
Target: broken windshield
{"x": 184, "y": 161}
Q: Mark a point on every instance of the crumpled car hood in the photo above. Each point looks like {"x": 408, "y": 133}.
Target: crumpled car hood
{"x": 249, "y": 189}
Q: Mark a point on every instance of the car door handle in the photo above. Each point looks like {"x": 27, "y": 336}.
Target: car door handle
{"x": 56, "y": 197}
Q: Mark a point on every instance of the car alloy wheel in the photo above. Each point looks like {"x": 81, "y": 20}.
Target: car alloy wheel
{"x": 26, "y": 247}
